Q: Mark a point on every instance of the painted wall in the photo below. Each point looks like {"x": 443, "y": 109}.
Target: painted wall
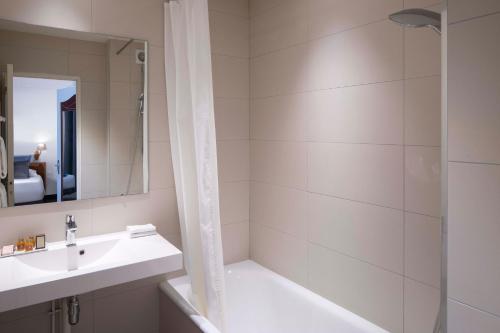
{"x": 474, "y": 166}
{"x": 134, "y": 307}
{"x": 345, "y": 157}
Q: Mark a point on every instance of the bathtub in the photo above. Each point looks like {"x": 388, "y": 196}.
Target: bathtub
{"x": 261, "y": 301}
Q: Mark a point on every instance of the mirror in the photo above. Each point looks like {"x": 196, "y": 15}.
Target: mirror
{"x": 74, "y": 115}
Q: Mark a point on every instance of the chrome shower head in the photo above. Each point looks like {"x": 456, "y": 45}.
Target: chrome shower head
{"x": 417, "y": 18}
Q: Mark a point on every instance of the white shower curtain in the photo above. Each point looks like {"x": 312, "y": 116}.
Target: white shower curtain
{"x": 194, "y": 155}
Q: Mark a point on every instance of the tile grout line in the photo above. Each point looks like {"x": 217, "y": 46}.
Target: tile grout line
{"x": 496, "y": 316}
{"x": 310, "y": 39}
{"x": 474, "y": 18}
{"x": 404, "y": 173}
{"x": 354, "y": 258}
{"x": 402, "y": 80}
{"x": 308, "y": 191}
{"x": 307, "y": 141}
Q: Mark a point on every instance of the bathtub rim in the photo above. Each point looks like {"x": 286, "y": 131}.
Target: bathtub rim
{"x": 169, "y": 288}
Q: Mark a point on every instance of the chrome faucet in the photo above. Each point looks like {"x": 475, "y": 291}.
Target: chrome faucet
{"x": 71, "y": 228}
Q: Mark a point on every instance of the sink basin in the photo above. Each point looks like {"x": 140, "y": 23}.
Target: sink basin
{"x": 61, "y": 259}
{"x": 93, "y": 263}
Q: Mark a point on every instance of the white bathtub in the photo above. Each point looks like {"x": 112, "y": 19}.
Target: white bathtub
{"x": 261, "y": 301}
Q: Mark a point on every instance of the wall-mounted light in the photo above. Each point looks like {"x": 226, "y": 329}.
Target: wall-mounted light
{"x": 39, "y": 148}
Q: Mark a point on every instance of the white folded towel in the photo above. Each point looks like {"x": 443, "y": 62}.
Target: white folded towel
{"x": 3, "y": 159}
{"x": 141, "y": 230}
{"x": 3, "y": 196}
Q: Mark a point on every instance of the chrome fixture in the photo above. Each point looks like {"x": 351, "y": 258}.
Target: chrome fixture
{"x": 418, "y": 18}
{"x": 71, "y": 228}
{"x": 73, "y": 310}
{"x": 124, "y": 46}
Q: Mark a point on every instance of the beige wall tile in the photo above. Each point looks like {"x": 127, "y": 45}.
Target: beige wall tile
{"x": 459, "y": 10}
{"x": 87, "y": 47}
{"x": 282, "y": 253}
{"x": 233, "y": 160}
{"x": 229, "y": 35}
{"x": 29, "y": 60}
{"x": 280, "y": 208}
{"x": 156, "y": 78}
{"x": 422, "y": 180}
{"x": 370, "y": 233}
{"x": 422, "y": 53}
{"x": 423, "y": 111}
{"x": 464, "y": 319}
{"x": 235, "y": 7}
{"x": 279, "y": 163}
{"x": 261, "y": 6}
{"x": 371, "y": 292}
{"x": 474, "y": 235}
{"x": 232, "y": 118}
{"x": 423, "y": 249}
{"x": 332, "y": 16}
{"x": 367, "y": 173}
{"x": 158, "y": 129}
{"x": 94, "y": 96}
{"x": 29, "y": 40}
{"x": 234, "y": 201}
{"x": 161, "y": 173}
{"x": 73, "y": 15}
{"x": 362, "y": 114}
{"x": 275, "y": 73}
{"x": 236, "y": 242}
{"x": 280, "y": 118}
{"x": 372, "y": 53}
{"x": 279, "y": 27}
{"x": 230, "y": 76}
{"x": 88, "y": 67}
{"x": 474, "y": 80}
{"x": 420, "y": 3}
{"x": 129, "y": 18}
{"x": 44, "y": 219}
{"x": 421, "y": 307}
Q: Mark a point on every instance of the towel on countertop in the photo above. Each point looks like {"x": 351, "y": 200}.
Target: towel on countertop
{"x": 3, "y": 159}
{"x": 141, "y": 230}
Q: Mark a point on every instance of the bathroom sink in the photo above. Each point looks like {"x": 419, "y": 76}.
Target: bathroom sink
{"x": 93, "y": 263}
{"x": 61, "y": 259}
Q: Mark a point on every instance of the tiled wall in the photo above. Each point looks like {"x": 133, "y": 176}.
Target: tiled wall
{"x": 345, "y": 156}
{"x": 229, "y": 29}
{"x": 474, "y": 166}
{"x": 134, "y": 307}
{"x": 125, "y": 122}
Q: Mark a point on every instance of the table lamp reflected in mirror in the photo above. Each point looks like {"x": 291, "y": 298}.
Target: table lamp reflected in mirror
{"x": 38, "y": 151}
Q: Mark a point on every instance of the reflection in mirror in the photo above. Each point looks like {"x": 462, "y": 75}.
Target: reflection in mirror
{"x": 78, "y": 115}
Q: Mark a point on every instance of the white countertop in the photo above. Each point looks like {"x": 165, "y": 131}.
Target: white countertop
{"x": 101, "y": 261}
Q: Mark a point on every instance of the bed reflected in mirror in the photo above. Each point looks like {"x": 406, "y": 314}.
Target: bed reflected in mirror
{"x": 45, "y": 139}
{"x": 73, "y": 117}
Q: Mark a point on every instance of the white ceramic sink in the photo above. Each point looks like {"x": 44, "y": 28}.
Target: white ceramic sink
{"x": 94, "y": 263}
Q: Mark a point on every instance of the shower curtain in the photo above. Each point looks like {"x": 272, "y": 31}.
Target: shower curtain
{"x": 194, "y": 155}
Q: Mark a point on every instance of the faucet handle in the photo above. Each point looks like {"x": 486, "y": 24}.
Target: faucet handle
{"x": 70, "y": 222}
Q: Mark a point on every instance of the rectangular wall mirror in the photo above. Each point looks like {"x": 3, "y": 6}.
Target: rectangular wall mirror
{"x": 73, "y": 120}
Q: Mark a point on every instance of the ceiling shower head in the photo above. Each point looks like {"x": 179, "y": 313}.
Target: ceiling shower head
{"x": 417, "y": 18}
